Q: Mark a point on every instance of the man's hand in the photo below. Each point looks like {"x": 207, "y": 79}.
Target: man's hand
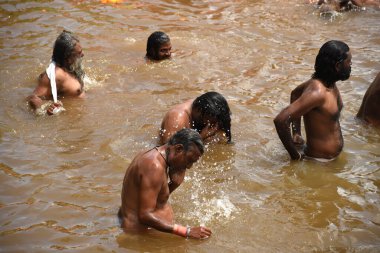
{"x": 199, "y": 232}
{"x": 298, "y": 140}
{"x": 55, "y": 108}
{"x": 176, "y": 178}
{"x": 209, "y": 130}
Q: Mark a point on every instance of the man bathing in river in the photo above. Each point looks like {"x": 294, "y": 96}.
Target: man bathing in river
{"x": 150, "y": 179}
{"x": 63, "y": 77}
{"x": 345, "y": 5}
{"x": 319, "y": 102}
{"x": 208, "y": 114}
{"x": 158, "y": 47}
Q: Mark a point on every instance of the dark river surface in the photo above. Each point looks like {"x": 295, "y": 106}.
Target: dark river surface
{"x": 61, "y": 177}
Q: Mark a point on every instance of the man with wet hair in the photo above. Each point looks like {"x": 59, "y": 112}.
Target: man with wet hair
{"x": 345, "y": 5}
{"x": 63, "y": 77}
{"x": 319, "y": 102}
{"x": 158, "y": 46}
{"x": 208, "y": 114}
{"x": 150, "y": 179}
{"x": 370, "y": 108}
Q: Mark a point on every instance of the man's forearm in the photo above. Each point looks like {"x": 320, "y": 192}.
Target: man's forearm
{"x": 283, "y": 131}
{"x": 34, "y": 101}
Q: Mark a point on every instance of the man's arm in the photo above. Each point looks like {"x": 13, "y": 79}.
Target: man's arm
{"x": 152, "y": 181}
{"x": 361, "y": 3}
{"x": 41, "y": 92}
{"x": 308, "y": 100}
{"x": 150, "y": 187}
{"x": 296, "y": 123}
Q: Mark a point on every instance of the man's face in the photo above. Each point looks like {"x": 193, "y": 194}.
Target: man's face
{"x": 183, "y": 159}
{"x": 77, "y": 53}
{"x": 75, "y": 61}
{"x": 200, "y": 122}
{"x": 345, "y": 68}
{"x": 164, "y": 51}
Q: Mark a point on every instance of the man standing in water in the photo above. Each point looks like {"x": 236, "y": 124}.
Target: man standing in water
{"x": 158, "y": 46}
{"x": 344, "y": 5}
{"x": 319, "y": 102}
{"x": 370, "y": 109}
{"x": 208, "y": 114}
{"x": 63, "y": 77}
{"x": 151, "y": 178}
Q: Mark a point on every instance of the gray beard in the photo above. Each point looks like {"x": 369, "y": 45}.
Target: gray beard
{"x": 77, "y": 70}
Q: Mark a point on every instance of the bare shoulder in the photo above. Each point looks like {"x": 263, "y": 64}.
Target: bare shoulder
{"x": 315, "y": 85}
{"x": 60, "y": 74}
{"x": 148, "y": 164}
{"x": 376, "y": 83}
{"x": 180, "y": 111}
{"x": 43, "y": 79}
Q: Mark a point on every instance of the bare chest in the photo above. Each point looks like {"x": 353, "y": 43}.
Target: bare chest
{"x": 69, "y": 86}
{"x": 163, "y": 195}
{"x": 332, "y": 106}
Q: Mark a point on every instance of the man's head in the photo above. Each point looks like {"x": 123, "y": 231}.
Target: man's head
{"x": 211, "y": 108}
{"x": 185, "y": 147}
{"x": 158, "y": 46}
{"x": 333, "y": 62}
{"x": 67, "y": 54}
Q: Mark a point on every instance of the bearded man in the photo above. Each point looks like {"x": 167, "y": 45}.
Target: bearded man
{"x": 319, "y": 102}
{"x": 63, "y": 77}
{"x": 158, "y": 47}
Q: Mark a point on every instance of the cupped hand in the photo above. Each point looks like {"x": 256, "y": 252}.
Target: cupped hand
{"x": 298, "y": 140}
{"x": 209, "y": 130}
{"x": 176, "y": 177}
{"x": 200, "y": 232}
{"x": 50, "y": 110}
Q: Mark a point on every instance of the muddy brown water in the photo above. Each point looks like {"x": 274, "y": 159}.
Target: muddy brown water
{"x": 61, "y": 176}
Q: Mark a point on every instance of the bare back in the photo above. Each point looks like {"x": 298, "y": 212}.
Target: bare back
{"x": 370, "y": 107}
{"x": 175, "y": 119}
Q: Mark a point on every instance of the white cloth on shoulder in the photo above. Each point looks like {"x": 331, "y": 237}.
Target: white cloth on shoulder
{"x": 50, "y": 71}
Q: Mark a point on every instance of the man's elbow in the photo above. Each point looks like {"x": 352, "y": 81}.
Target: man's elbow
{"x": 144, "y": 218}
{"x": 278, "y": 120}
{"x": 34, "y": 101}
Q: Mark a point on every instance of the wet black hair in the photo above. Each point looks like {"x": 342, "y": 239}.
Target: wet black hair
{"x": 187, "y": 137}
{"x": 155, "y": 40}
{"x": 212, "y": 104}
{"x": 63, "y": 48}
{"x": 331, "y": 53}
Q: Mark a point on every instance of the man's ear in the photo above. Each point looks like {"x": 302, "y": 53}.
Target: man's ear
{"x": 338, "y": 66}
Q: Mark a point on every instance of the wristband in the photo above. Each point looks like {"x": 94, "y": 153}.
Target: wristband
{"x": 179, "y": 230}
{"x": 188, "y": 229}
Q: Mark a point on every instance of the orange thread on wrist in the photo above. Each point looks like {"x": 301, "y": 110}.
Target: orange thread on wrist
{"x": 179, "y": 230}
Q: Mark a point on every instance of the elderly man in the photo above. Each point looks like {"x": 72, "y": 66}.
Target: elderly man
{"x": 63, "y": 77}
{"x": 158, "y": 46}
{"x": 150, "y": 179}
{"x": 370, "y": 109}
{"x": 208, "y": 114}
{"x": 319, "y": 102}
